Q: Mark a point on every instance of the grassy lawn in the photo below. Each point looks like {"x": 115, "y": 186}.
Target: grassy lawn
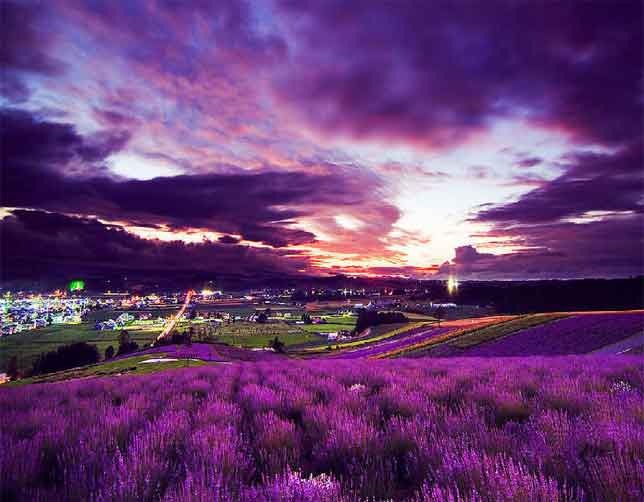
{"x": 28, "y": 345}
{"x": 495, "y": 331}
{"x": 376, "y": 334}
{"x": 252, "y": 335}
{"x": 261, "y": 340}
{"x": 333, "y": 324}
{"x": 413, "y": 316}
{"x": 131, "y": 366}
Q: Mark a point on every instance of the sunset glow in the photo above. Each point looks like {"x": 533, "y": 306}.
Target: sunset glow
{"x": 422, "y": 142}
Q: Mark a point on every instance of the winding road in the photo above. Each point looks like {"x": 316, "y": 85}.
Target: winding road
{"x": 170, "y": 326}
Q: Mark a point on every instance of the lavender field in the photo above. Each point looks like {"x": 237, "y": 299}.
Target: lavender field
{"x": 393, "y": 343}
{"x": 577, "y": 334}
{"x": 336, "y": 430}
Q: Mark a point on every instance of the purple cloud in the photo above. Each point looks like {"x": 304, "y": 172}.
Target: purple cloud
{"x": 237, "y": 96}
{"x": 228, "y": 239}
{"x": 24, "y": 49}
{"x": 529, "y": 162}
{"x": 437, "y": 73}
{"x": 260, "y": 206}
{"x": 603, "y": 248}
{"x": 609, "y": 182}
{"x": 80, "y": 243}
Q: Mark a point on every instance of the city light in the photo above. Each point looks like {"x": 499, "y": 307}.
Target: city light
{"x": 207, "y": 292}
{"x": 452, "y": 285}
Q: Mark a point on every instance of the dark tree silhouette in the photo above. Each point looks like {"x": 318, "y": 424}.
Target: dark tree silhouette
{"x": 125, "y": 344}
{"x": 12, "y": 368}
{"x": 124, "y": 337}
{"x": 367, "y": 318}
{"x": 65, "y": 357}
{"x": 277, "y": 345}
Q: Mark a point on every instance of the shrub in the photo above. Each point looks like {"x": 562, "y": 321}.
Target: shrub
{"x": 405, "y": 429}
{"x": 66, "y": 357}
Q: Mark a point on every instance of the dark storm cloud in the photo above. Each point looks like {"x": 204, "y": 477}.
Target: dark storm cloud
{"x": 529, "y": 162}
{"x": 607, "y": 248}
{"x": 611, "y": 182}
{"x": 24, "y": 49}
{"x": 31, "y": 143}
{"x": 72, "y": 243}
{"x": 586, "y": 222}
{"x": 228, "y": 239}
{"x": 253, "y": 205}
{"x": 436, "y": 72}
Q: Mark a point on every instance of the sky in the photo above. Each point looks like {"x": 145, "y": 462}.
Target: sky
{"x": 372, "y": 138}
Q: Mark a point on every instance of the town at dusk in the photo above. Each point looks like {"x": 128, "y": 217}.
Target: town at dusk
{"x": 283, "y": 251}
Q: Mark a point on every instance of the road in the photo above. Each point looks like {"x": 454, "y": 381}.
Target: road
{"x": 170, "y": 326}
{"x": 623, "y": 346}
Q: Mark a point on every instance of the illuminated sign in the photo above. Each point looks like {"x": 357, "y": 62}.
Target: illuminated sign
{"x": 77, "y": 285}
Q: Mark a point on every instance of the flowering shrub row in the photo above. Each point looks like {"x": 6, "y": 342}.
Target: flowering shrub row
{"x": 332, "y": 430}
{"x": 390, "y": 344}
{"x": 578, "y": 334}
{"x": 423, "y": 338}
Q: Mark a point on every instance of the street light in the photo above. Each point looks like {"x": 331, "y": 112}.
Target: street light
{"x": 452, "y": 285}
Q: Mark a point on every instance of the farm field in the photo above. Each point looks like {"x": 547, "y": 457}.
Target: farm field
{"x": 375, "y": 334}
{"x": 500, "y": 330}
{"x": 333, "y": 324}
{"x": 253, "y": 335}
{"x": 445, "y": 430}
{"x": 118, "y": 366}
{"x": 576, "y": 334}
{"x": 28, "y": 345}
{"x": 540, "y": 334}
{"x": 412, "y": 337}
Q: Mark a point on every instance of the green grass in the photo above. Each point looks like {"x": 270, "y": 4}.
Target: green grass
{"x": 255, "y": 341}
{"x": 413, "y": 316}
{"x": 325, "y": 328}
{"x": 28, "y": 345}
{"x": 500, "y": 330}
{"x": 333, "y": 324}
{"x": 341, "y": 319}
{"x": 376, "y": 334}
{"x": 252, "y": 335}
{"x": 130, "y": 365}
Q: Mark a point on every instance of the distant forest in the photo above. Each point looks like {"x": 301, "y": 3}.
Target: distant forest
{"x": 547, "y": 296}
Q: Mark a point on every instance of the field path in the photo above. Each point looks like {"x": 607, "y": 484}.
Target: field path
{"x": 623, "y": 346}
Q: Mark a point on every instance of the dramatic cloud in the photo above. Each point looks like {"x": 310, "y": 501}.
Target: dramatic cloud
{"x": 604, "y": 248}
{"x": 361, "y": 137}
{"x": 30, "y": 143}
{"x": 38, "y": 244}
{"x": 228, "y": 239}
{"x": 529, "y": 162}
{"x": 588, "y": 221}
{"x": 436, "y": 73}
{"x": 259, "y": 206}
{"x": 24, "y": 49}
{"x": 591, "y": 182}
